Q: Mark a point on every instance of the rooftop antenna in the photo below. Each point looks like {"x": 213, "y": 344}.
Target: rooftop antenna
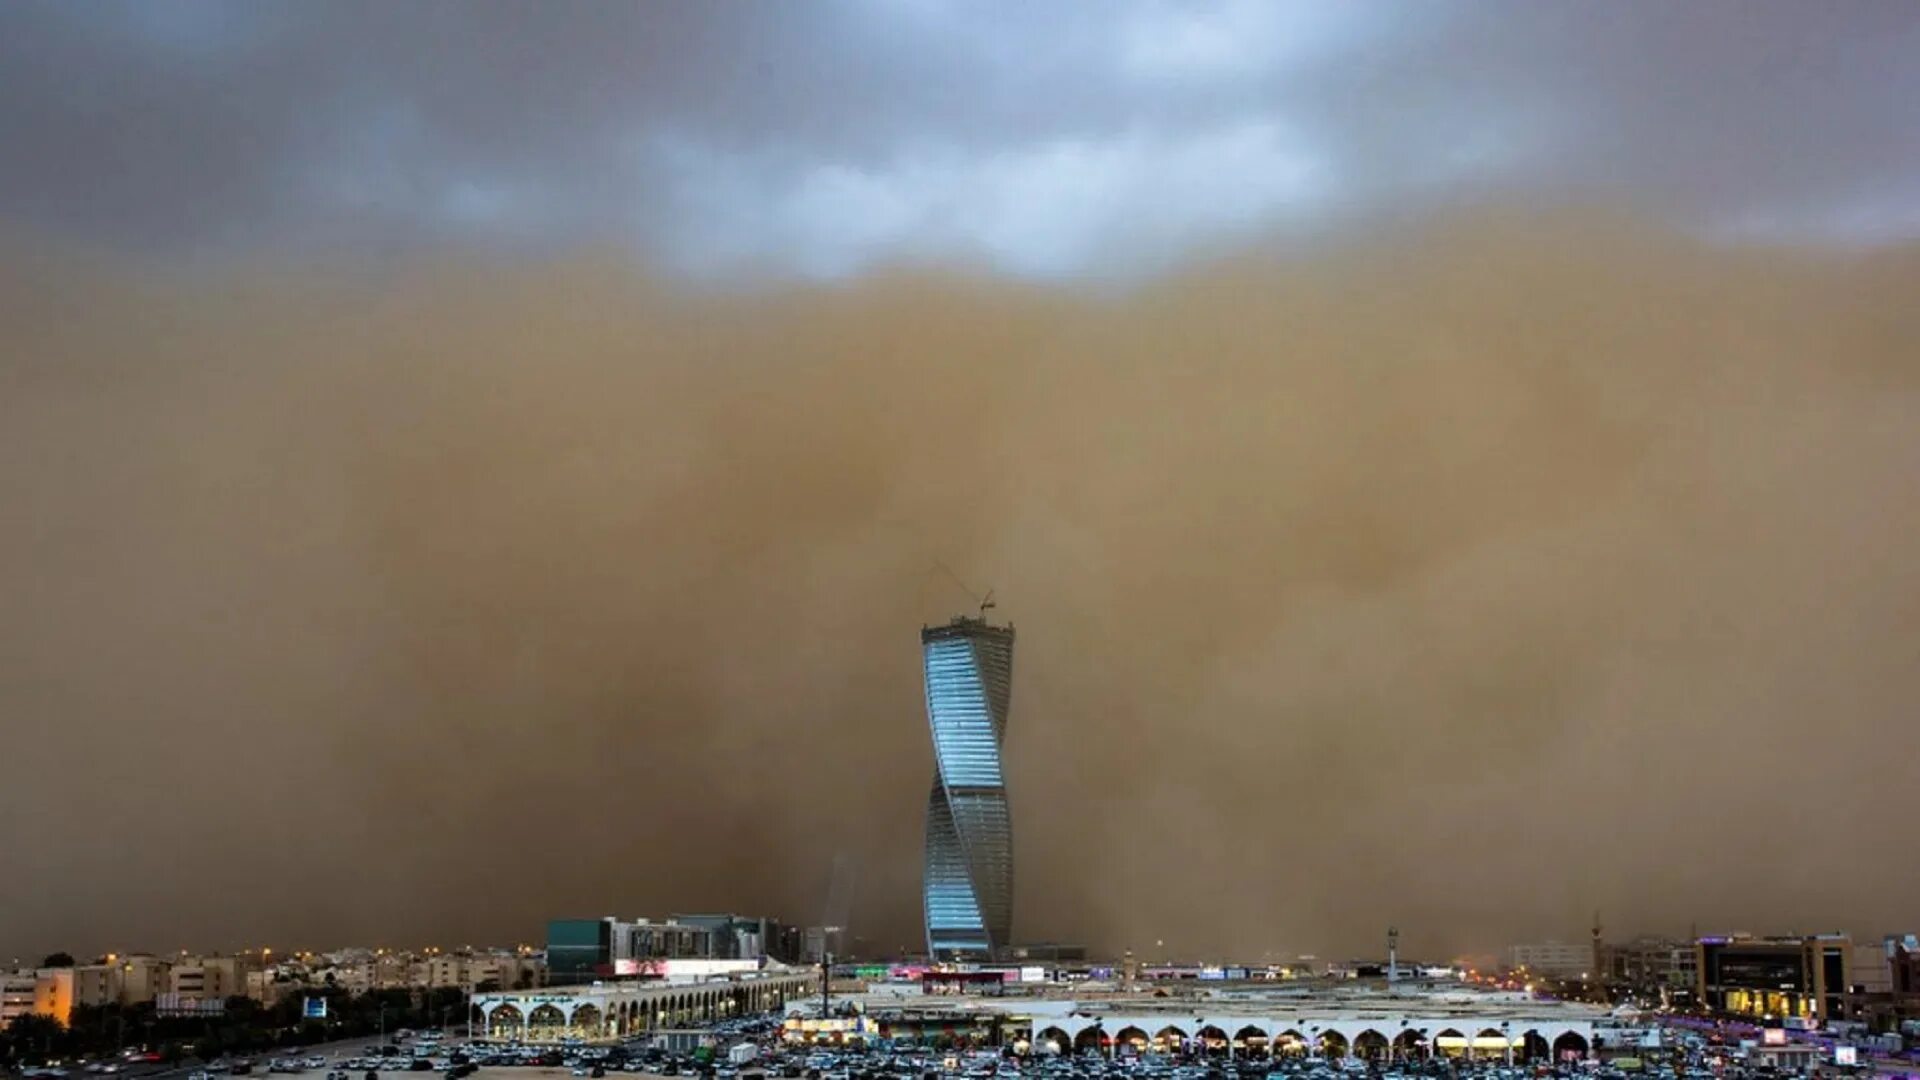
{"x": 985, "y": 602}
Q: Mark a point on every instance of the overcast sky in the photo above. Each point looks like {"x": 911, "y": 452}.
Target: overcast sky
{"x": 468, "y": 463}
{"x": 1044, "y": 139}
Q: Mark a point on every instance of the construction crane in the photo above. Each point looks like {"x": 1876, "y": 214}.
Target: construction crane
{"x": 986, "y": 602}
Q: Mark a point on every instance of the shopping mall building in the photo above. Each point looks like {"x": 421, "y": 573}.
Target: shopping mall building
{"x": 1329, "y": 1022}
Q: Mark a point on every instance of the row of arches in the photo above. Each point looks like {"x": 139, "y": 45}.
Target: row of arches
{"x": 615, "y": 1016}
{"x": 1369, "y": 1044}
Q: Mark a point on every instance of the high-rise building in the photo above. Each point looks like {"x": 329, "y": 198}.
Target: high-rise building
{"x": 969, "y": 877}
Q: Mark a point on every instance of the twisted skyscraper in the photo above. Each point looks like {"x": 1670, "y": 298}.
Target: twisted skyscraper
{"x": 969, "y": 881}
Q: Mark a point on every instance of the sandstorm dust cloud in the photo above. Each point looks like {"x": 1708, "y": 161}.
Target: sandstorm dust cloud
{"x": 1470, "y": 578}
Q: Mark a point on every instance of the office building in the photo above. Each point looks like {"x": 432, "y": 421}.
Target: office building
{"x": 735, "y": 937}
{"x": 581, "y": 950}
{"x": 209, "y": 978}
{"x": 493, "y": 970}
{"x": 1903, "y": 965}
{"x": 46, "y": 992}
{"x": 818, "y": 942}
{"x": 143, "y": 978}
{"x": 1650, "y": 964}
{"x": 1871, "y": 973}
{"x": 17, "y": 990}
{"x": 53, "y": 993}
{"x": 668, "y": 939}
{"x": 1553, "y": 959}
{"x": 1776, "y": 977}
{"x": 269, "y": 988}
{"x": 95, "y": 985}
{"x": 968, "y": 888}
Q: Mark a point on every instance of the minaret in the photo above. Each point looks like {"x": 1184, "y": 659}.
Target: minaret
{"x": 1597, "y": 957}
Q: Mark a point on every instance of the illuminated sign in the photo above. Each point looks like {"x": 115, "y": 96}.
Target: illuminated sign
{"x": 858, "y": 1026}
{"x": 1846, "y": 1055}
{"x": 689, "y": 968}
{"x": 1774, "y": 1037}
{"x": 188, "y": 1005}
{"x": 314, "y": 1008}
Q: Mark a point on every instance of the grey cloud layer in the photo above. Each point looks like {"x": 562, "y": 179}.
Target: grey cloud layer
{"x": 1039, "y": 139}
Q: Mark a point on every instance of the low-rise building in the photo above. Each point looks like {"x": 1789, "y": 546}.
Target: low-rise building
{"x": 354, "y": 977}
{"x": 732, "y": 936}
{"x": 358, "y": 971}
{"x": 45, "y": 992}
{"x": 143, "y": 978}
{"x": 210, "y": 978}
{"x": 96, "y": 985}
{"x": 270, "y": 987}
{"x": 582, "y": 950}
{"x": 17, "y": 989}
{"x": 1650, "y": 964}
{"x": 53, "y": 993}
{"x": 507, "y": 971}
{"x": 120, "y": 980}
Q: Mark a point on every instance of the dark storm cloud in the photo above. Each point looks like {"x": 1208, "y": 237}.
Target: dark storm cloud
{"x": 1045, "y": 140}
{"x": 1469, "y": 578}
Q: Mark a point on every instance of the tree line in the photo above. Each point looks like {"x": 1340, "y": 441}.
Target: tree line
{"x": 246, "y": 1027}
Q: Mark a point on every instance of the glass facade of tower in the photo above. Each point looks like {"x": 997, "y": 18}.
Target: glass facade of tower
{"x": 969, "y": 878}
